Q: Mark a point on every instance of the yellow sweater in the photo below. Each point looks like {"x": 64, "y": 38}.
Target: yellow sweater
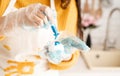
{"x": 67, "y": 20}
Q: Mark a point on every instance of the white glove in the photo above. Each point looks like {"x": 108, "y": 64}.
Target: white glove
{"x": 54, "y": 53}
{"x": 33, "y": 15}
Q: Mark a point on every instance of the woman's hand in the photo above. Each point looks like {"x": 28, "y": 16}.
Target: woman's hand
{"x": 36, "y": 15}
{"x": 33, "y": 15}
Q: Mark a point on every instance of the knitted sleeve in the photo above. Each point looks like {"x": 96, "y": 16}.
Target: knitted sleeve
{"x": 3, "y": 5}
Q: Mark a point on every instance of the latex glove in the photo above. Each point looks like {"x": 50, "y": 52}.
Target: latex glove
{"x": 33, "y": 15}
{"x": 72, "y": 42}
{"x": 64, "y": 49}
{"x": 53, "y": 53}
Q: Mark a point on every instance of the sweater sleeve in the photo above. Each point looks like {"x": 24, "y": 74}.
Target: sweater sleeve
{"x": 3, "y": 6}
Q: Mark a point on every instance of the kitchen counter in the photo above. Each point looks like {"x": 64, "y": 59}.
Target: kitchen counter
{"x": 80, "y": 69}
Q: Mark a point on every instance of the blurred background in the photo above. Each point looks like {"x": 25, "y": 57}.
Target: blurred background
{"x": 101, "y": 28}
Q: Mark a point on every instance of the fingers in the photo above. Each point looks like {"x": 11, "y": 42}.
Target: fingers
{"x": 46, "y": 14}
{"x": 38, "y": 21}
{"x": 50, "y": 14}
{"x": 39, "y": 15}
{"x": 43, "y": 17}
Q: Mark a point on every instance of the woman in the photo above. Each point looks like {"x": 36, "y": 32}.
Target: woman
{"x": 31, "y": 14}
